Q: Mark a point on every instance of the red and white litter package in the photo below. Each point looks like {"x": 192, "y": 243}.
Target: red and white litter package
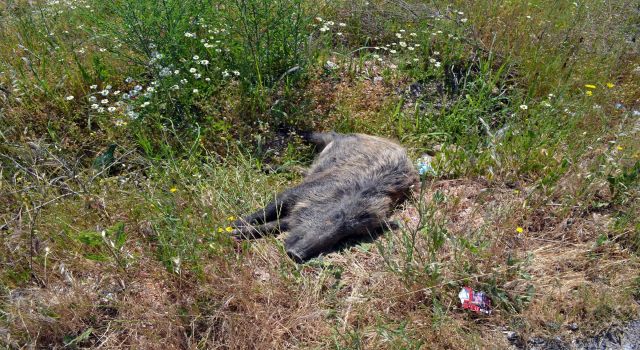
{"x": 475, "y": 301}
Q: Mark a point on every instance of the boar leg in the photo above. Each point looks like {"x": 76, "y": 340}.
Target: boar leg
{"x": 257, "y": 231}
{"x": 279, "y": 208}
{"x": 269, "y": 213}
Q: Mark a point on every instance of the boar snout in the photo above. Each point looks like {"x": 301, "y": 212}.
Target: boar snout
{"x": 301, "y": 247}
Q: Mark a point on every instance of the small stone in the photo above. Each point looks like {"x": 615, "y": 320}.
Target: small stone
{"x": 329, "y": 65}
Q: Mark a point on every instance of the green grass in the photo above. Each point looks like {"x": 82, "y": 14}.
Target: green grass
{"x": 529, "y": 111}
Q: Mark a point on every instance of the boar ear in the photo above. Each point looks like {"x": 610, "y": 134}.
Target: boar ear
{"x": 319, "y": 139}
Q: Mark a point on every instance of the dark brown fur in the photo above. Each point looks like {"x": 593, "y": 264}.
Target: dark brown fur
{"x": 350, "y": 190}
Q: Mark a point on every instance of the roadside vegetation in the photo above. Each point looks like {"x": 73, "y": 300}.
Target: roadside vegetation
{"x": 132, "y": 133}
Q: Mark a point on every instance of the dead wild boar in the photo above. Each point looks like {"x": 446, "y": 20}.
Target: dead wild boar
{"x": 350, "y": 190}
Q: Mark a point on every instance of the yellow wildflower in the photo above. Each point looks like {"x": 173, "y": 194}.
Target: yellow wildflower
{"x": 620, "y": 148}
{"x": 590, "y": 86}
{"x": 519, "y": 229}
{"x": 231, "y": 218}
{"x": 173, "y": 190}
{"x": 610, "y": 85}
{"x": 229, "y": 228}
{"x": 589, "y": 93}
{"x": 220, "y": 230}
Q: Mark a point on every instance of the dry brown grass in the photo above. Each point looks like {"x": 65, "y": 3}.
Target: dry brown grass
{"x": 257, "y": 298}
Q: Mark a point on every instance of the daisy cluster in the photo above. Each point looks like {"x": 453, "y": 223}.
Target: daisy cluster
{"x": 128, "y": 102}
{"x": 59, "y": 7}
{"x": 404, "y": 46}
{"x": 207, "y": 64}
{"x": 173, "y": 78}
{"x": 405, "y": 42}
